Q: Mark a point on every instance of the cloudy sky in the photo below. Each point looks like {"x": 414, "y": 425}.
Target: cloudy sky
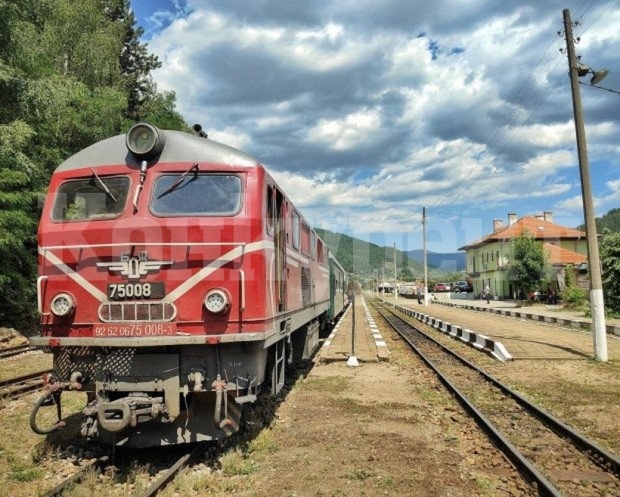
{"x": 367, "y": 110}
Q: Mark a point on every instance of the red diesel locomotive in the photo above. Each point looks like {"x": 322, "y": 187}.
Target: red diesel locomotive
{"x": 176, "y": 282}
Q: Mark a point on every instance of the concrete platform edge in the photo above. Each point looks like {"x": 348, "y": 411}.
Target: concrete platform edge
{"x": 476, "y": 340}
{"x": 572, "y": 323}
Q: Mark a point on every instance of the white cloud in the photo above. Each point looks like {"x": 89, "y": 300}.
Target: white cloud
{"x": 366, "y": 111}
{"x": 232, "y": 137}
{"x": 348, "y": 132}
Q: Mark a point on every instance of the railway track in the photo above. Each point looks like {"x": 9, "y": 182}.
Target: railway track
{"x": 16, "y": 350}
{"x": 100, "y": 465}
{"x": 173, "y": 470}
{"x": 548, "y": 453}
{"x": 16, "y": 387}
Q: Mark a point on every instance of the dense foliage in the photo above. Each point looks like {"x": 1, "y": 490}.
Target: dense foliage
{"x": 71, "y": 73}
{"x": 527, "y": 263}
{"x": 610, "y": 270}
{"x": 573, "y": 296}
{"x": 365, "y": 260}
{"x": 360, "y": 257}
{"x": 610, "y": 221}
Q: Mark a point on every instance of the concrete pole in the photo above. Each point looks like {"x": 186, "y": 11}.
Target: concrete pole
{"x": 597, "y": 304}
{"x": 424, "y": 258}
{"x": 395, "y": 279}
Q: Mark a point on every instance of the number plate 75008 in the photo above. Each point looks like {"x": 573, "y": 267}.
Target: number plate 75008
{"x": 123, "y": 291}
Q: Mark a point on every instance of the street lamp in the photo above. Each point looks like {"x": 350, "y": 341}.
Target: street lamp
{"x": 597, "y": 304}
{"x": 597, "y": 76}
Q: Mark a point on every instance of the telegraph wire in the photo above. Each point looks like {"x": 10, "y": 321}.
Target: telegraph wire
{"x": 525, "y": 91}
{"x": 600, "y": 87}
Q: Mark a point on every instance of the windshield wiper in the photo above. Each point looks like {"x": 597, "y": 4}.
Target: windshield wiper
{"x": 103, "y": 185}
{"x": 174, "y": 185}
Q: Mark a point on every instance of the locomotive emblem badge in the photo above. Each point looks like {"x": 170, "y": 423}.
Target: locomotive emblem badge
{"x": 133, "y": 267}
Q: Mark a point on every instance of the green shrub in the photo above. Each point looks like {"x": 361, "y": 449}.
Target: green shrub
{"x": 573, "y": 297}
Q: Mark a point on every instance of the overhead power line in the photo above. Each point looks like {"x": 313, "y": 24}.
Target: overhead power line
{"x": 601, "y": 87}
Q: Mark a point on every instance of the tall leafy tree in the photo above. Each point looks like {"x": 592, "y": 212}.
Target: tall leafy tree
{"x": 71, "y": 73}
{"x": 68, "y": 116}
{"x": 610, "y": 269}
{"x": 136, "y": 63}
{"x": 17, "y": 227}
{"x": 527, "y": 263}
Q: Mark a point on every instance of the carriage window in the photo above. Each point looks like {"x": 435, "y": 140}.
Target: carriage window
{"x": 320, "y": 249}
{"x": 97, "y": 197}
{"x": 313, "y": 245}
{"x": 196, "y": 194}
{"x": 305, "y": 239}
{"x": 295, "y": 230}
{"x": 270, "y": 211}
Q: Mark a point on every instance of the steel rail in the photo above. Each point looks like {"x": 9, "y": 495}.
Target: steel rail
{"x": 528, "y": 470}
{"x": 14, "y": 387}
{"x": 13, "y": 351}
{"x": 555, "y": 424}
{"x": 98, "y": 464}
{"x": 173, "y": 470}
{"x": 26, "y": 377}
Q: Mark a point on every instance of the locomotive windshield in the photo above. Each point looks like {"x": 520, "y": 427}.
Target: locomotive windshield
{"x": 196, "y": 194}
{"x": 91, "y": 198}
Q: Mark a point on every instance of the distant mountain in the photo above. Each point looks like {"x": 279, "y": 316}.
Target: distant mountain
{"x": 448, "y": 262}
{"x": 362, "y": 258}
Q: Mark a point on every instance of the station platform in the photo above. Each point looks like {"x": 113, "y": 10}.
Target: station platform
{"x": 369, "y": 344}
{"x": 522, "y": 337}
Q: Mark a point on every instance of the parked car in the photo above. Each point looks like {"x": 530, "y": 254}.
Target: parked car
{"x": 463, "y": 286}
{"x": 440, "y": 287}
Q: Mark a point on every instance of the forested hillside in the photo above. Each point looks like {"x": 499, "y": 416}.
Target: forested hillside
{"x": 610, "y": 221}
{"x": 71, "y": 73}
{"x": 360, "y": 258}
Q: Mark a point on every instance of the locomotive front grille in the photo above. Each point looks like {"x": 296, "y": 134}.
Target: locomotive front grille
{"x": 133, "y": 312}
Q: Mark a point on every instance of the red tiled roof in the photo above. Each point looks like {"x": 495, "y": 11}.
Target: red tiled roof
{"x": 559, "y": 256}
{"x": 538, "y": 228}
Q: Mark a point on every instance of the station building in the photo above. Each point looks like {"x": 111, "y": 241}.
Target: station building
{"x": 487, "y": 257}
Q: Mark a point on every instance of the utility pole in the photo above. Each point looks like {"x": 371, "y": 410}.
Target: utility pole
{"x": 424, "y": 258}
{"x": 597, "y": 304}
{"x": 395, "y": 279}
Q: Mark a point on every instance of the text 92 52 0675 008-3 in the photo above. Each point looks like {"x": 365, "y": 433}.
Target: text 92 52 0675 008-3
{"x": 134, "y": 330}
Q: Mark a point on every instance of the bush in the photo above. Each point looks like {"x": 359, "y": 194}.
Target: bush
{"x": 573, "y": 297}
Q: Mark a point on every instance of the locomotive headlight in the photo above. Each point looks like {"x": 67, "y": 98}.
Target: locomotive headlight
{"x": 144, "y": 140}
{"x": 62, "y": 304}
{"x": 217, "y": 301}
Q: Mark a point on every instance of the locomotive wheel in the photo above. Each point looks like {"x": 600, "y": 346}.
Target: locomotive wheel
{"x": 46, "y": 415}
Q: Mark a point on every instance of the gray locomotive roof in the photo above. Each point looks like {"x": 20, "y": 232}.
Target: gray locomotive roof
{"x": 179, "y": 147}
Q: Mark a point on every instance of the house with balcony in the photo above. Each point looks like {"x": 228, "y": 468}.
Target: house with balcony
{"x": 487, "y": 257}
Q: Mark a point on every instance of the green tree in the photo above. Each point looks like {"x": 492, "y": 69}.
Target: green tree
{"x": 610, "y": 221}
{"x": 159, "y": 110}
{"x": 406, "y": 274}
{"x": 573, "y": 296}
{"x": 68, "y": 116}
{"x": 610, "y": 269}
{"x": 71, "y": 74}
{"x": 136, "y": 63}
{"x": 17, "y": 227}
{"x": 527, "y": 263}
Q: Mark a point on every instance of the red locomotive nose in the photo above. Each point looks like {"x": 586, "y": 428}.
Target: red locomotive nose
{"x": 163, "y": 254}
